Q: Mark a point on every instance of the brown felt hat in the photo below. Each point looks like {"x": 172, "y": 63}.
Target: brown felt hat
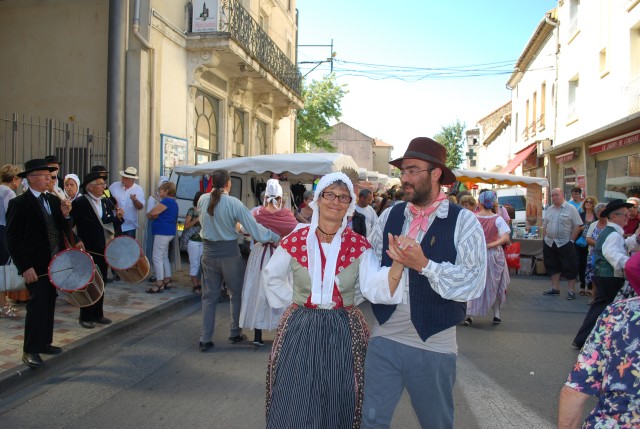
{"x": 431, "y": 151}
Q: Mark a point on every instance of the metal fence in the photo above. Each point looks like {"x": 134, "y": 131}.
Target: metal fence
{"x": 23, "y": 138}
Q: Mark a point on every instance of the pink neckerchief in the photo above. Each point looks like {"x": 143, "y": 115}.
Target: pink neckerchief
{"x": 420, "y": 220}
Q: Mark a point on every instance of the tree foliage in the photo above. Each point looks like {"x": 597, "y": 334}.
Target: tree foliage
{"x": 451, "y": 137}
{"x": 322, "y": 100}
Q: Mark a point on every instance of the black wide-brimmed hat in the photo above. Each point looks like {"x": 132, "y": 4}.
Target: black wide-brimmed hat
{"x": 35, "y": 165}
{"x": 99, "y": 169}
{"x": 614, "y": 205}
{"x": 90, "y": 177}
{"x": 431, "y": 151}
{"x": 52, "y": 159}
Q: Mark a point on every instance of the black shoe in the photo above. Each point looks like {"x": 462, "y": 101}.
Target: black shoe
{"x": 468, "y": 321}
{"x": 32, "y": 360}
{"x": 116, "y": 278}
{"x": 52, "y": 350}
{"x": 205, "y": 346}
{"x": 152, "y": 279}
{"x": 237, "y": 338}
{"x": 575, "y": 345}
{"x": 87, "y": 325}
{"x": 496, "y": 321}
{"x": 103, "y": 321}
{"x": 108, "y": 280}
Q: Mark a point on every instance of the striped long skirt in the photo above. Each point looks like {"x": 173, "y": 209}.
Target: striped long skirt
{"x": 315, "y": 376}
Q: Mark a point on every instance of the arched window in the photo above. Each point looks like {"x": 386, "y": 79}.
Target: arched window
{"x": 207, "y": 114}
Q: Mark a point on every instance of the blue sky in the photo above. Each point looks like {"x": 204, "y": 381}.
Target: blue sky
{"x": 485, "y": 36}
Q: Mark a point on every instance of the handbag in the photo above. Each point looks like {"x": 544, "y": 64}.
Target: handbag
{"x": 581, "y": 242}
{"x": 186, "y": 236}
{"x": 10, "y": 280}
{"x": 512, "y": 254}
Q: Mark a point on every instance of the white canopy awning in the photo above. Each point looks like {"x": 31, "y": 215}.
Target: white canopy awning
{"x": 498, "y": 178}
{"x": 299, "y": 166}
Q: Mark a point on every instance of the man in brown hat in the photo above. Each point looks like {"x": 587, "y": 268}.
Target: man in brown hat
{"x": 37, "y": 224}
{"x": 413, "y": 345}
{"x": 610, "y": 254}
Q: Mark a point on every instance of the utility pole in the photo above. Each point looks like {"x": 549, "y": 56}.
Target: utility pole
{"x": 317, "y": 63}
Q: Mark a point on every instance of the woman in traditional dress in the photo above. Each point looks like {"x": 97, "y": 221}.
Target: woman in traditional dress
{"x": 496, "y": 234}
{"x": 320, "y": 271}
{"x": 255, "y": 312}
{"x": 72, "y": 186}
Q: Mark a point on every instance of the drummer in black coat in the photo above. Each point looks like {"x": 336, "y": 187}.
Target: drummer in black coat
{"x": 97, "y": 221}
{"x": 37, "y": 225}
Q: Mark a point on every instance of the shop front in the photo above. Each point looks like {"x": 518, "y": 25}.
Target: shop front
{"x": 617, "y": 163}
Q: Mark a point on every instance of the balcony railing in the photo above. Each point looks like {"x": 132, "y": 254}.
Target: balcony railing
{"x": 244, "y": 30}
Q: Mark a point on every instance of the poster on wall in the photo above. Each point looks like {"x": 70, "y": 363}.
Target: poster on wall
{"x": 205, "y": 16}
{"x": 174, "y": 153}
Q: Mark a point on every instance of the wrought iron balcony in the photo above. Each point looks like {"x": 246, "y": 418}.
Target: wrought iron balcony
{"x": 238, "y": 23}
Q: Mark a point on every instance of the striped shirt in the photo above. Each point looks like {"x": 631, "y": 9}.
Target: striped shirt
{"x": 462, "y": 281}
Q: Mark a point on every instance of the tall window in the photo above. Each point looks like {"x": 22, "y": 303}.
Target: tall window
{"x": 574, "y": 5}
{"x": 574, "y": 85}
{"x": 526, "y": 120}
{"x": 207, "y": 114}
{"x": 261, "y": 138}
{"x": 534, "y": 116}
{"x": 543, "y": 102}
{"x": 239, "y": 144}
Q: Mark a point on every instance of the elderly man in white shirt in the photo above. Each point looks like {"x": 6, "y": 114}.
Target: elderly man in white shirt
{"x": 561, "y": 225}
{"x": 130, "y": 197}
{"x": 611, "y": 253}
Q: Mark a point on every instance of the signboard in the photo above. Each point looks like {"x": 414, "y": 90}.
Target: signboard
{"x": 205, "y": 16}
{"x": 565, "y": 157}
{"x": 174, "y": 153}
{"x": 614, "y": 143}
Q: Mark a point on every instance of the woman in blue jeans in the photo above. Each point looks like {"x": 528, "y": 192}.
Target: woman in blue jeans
{"x": 220, "y": 214}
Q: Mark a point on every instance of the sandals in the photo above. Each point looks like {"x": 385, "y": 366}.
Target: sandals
{"x": 197, "y": 289}
{"x": 156, "y": 289}
{"x": 9, "y": 312}
{"x": 166, "y": 285}
{"x": 583, "y": 293}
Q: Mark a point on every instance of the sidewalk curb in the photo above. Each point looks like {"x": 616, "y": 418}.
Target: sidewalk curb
{"x": 79, "y": 351}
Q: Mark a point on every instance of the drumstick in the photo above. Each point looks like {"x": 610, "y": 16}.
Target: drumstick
{"x": 104, "y": 256}
{"x": 59, "y": 271}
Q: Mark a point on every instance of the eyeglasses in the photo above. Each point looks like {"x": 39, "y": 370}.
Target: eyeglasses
{"x": 412, "y": 171}
{"x": 344, "y": 199}
{"x": 620, "y": 214}
{"x": 588, "y": 202}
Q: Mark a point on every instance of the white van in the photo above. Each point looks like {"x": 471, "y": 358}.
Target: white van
{"x": 245, "y": 173}
{"x": 516, "y": 198}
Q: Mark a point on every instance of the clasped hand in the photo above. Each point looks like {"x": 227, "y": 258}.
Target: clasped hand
{"x": 407, "y": 252}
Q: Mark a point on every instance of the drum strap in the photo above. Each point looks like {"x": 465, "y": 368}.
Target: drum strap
{"x": 109, "y": 231}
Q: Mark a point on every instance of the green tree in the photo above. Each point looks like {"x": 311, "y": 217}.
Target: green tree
{"x": 322, "y": 100}
{"x": 451, "y": 137}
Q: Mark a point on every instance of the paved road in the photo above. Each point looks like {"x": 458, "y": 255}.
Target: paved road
{"x": 509, "y": 376}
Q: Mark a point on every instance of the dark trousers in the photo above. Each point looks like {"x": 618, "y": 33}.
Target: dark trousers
{"x": 582, "y": 263}
{"x": 94, "y": 311}
{"x": 38, "y": 323}
{"x": 606, "y": 290}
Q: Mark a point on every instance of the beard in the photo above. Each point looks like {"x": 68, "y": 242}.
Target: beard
{"x": 419, "y": 194}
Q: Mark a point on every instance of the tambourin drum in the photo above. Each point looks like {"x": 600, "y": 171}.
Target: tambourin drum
{"x": 73, "y": 273}
{"x": 125, "y": 256}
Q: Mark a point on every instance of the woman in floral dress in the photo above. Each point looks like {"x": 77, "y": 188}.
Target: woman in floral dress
{"x": 608, "y": 367}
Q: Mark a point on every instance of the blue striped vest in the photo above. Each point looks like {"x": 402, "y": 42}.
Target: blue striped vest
{"x": 430, "y": 313}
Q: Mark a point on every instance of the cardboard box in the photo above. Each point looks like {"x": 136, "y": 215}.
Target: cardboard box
{"x": 540, "y": 268}
{"x": 526, "y": 265}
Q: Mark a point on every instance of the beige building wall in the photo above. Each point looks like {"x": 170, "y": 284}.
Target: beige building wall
{"x": 56, "y": 52}
{"x": 349, "y": 141}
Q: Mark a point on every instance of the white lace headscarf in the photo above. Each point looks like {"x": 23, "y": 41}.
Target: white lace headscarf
{"x": 322, "y": 288}
{"x": 272, "y": 193}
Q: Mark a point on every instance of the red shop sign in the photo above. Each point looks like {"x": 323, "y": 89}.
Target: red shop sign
{"x": 614, "y": 143}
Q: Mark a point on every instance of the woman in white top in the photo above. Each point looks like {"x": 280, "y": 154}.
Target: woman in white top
{"x": 10, "y": 183}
